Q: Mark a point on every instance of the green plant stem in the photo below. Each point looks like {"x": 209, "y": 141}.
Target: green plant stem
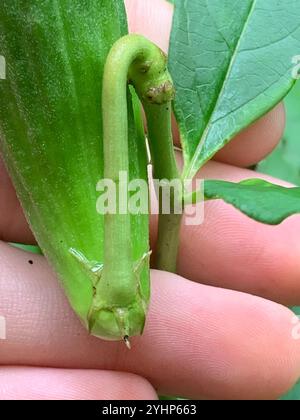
{"x": 164, "y": 168}
{"x": 135, "y": 59}
{"x": 161, "y": 141}
{"x": 168, "y": 242}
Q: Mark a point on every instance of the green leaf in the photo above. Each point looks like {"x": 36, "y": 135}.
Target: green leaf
{"x": 258, "y": 199}
{"x": 231, "y": 62}
{"x": 284, "y": 162}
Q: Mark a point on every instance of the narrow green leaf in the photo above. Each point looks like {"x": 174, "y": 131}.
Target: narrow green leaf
{"x": 231, "y": 62}
{"x": 258, "y": 199}
{"x": 34, "y": 249}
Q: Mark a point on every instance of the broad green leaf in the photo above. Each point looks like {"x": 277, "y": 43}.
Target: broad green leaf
{"x": 284, "y": 162}
{"x": 258, "y": 199}
{"x": 231, "y": 62}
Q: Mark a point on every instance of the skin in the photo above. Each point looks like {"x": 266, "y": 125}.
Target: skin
{"x": 228, "y": 338}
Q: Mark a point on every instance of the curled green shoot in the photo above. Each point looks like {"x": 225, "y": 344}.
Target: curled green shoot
{"x": 119, "y": 307}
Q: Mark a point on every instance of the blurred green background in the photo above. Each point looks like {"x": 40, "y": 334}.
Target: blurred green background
{"x": 284, "y": 162}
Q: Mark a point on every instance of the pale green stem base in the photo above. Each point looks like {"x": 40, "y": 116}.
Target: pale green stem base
{"x": 168, "y": 242}
{"x": 164, "y": 168}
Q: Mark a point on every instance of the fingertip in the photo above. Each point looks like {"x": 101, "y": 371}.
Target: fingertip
{"x": 151, "y": 18}
{"x": 129, "y": 386}
{"x": 255, "y": 142}
{"x": 252, "y": 257}
{"x": 244, "y": 346}
{"x": 29, "y": 383}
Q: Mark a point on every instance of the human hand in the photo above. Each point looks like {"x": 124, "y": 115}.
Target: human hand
{"x": 201, "y": 341}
